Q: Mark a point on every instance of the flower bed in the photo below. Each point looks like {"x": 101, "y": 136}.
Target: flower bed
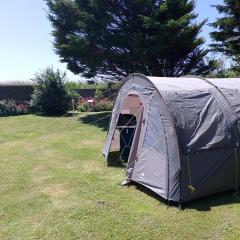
{"x": 11, "y": 108}
{"x": 88, "y": 104}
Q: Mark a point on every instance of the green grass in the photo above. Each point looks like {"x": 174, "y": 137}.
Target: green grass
{"x": 54, "y": 185}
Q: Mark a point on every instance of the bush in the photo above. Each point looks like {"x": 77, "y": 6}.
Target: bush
{"x": 103, "y": 105}
{"x": 84, "y": 107}
{"x": 11, "y": 108}
{"x": 98, "y": 93}
{"x": 51, "y": 96}
{"x": 96, "y": 106}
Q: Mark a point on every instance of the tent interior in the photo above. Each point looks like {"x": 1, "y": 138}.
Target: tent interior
{"x": 124, "y": 134}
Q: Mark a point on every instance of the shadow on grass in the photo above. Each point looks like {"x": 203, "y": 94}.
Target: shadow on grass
{"x": 149, "y": 192}
{"x": 202, "y": 204}
{"x": 115, "y": 161}
{"x": 219, "y": 199}
{"x": 100, "y": 120}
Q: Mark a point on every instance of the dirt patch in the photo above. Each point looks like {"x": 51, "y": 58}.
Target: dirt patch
{"x": 39, "y": 179}
{"x": 38, "y": 169}
{"x": 69, "y": 166}
{"x": 54, "y": 190}
{"x": 39, "y": 175}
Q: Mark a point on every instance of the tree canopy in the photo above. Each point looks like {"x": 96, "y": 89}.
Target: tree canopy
{"x": 227, "y": 30}
{"x": 117, "y": 37}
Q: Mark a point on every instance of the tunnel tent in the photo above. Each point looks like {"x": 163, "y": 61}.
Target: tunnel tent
{"x": 186, "y": 138}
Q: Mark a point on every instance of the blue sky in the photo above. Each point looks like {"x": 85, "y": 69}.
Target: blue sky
{"x": 26, "y": 42}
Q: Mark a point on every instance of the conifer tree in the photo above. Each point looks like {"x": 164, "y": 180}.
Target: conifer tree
{"x": 117, "y": 37}
{"x": 226, "y": 36}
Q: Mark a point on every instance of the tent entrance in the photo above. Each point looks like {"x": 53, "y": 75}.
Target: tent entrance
{"x": 126, "y": 125}
{"x": 124, "y": 142}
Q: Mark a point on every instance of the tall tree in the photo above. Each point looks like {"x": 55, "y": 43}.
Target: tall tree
{"x": 117, "y": 37}
{"x": 227, "y": 30}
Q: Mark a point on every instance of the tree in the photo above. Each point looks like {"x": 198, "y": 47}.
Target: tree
{"x": 223, "y": 71}
{"x": 227, "y": 31}
{"x": 117, "y": 37}
{"x": 50, "y": 96}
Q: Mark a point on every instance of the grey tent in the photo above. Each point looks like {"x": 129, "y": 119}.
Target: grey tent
{"x": 186, "y": 137}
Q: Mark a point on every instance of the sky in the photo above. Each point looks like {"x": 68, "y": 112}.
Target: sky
{"x": 26, "y": 41}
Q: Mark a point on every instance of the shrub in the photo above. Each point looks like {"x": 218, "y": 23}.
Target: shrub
{"x": 96, "y": 106}
{"x": 103, "y": 105}
{"x": 84, "y": 107}
{"x": 11, "y": 108}
{"x": 98, "y": 93}
{"x": 51, "y": 96}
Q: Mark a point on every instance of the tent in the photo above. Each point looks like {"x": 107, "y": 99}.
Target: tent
{"x": 186, "y": 138}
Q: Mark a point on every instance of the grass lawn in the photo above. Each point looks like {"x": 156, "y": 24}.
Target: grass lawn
{"x": 54, "y": 185}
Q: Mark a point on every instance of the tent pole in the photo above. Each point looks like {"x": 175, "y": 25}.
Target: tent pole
{"x": 180, "y": 188}
{"x": 236, "y": 166}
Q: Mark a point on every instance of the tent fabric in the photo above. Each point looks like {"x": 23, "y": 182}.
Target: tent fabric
{"x": 230, "y": 87}
{"x": 188, "y": 134}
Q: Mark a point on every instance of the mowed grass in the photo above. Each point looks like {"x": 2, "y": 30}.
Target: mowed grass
{"x": 54, "y": 184}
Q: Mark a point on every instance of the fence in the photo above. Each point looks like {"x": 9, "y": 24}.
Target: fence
{"x": 18, "y": 93}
